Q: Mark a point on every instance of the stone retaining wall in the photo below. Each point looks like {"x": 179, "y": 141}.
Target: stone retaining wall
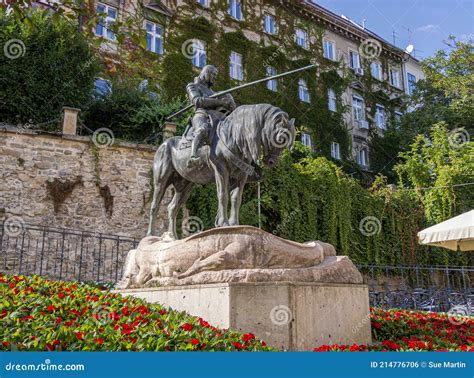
{"x": 67, "y": 181}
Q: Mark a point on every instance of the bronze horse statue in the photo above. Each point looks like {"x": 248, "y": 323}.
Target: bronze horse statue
{"x": 229, "y": 159}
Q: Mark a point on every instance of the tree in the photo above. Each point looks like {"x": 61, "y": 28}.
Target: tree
{"x": 438, "y": 168}
{"x": 445, "y": 95}
{"x": 44, "y": 66}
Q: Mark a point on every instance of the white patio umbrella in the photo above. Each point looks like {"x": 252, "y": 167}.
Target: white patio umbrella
{"x": 455, "y": 233}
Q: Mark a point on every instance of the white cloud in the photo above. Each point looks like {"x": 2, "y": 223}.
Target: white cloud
{"x": 426, "y": 28}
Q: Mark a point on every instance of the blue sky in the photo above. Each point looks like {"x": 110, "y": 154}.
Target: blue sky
{"x": 424, "y": 23}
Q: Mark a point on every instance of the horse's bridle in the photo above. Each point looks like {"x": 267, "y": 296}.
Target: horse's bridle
{"x": 238, "y": 162}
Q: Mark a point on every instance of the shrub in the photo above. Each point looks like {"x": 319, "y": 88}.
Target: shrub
{"x": 313, "y": 199}
{"x": 53, "y": 66}
{"x": 38, "y": 314}
{"x": 131, "y": 112}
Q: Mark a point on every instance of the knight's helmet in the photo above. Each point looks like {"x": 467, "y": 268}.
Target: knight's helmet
{"x": 204, "y": 76}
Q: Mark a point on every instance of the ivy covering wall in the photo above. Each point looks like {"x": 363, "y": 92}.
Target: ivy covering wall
{"x": 313, "y": 199}
{"x": 283, "y": 54}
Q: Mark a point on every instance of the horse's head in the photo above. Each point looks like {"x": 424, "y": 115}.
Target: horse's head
{"x": 278, "y": 135}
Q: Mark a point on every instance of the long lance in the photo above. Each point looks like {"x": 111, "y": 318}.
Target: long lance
{"x": 222, "y": 93}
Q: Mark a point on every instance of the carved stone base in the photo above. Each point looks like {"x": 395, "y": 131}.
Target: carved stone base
{"x": 233, "y": 254}
{"x": 288, "y": 316}
{"x": 333, "y": 269}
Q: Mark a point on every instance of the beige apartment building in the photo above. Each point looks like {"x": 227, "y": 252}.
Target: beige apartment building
{"x": 372, "y": 67}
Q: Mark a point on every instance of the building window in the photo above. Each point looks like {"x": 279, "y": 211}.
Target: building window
{"x": 235, "y": 9}
{"x": 398, "y": 118}
{"x": 335, "y": 151}
{"x": 376, "y": 70}
{"x": 332, "y": 100}
{"x": 269, "y": 24}
{"x": 102, "y": 87}
{"x": 303, "y": 90}
{"x": 204, "y": 3}
{"x": 358, "y": 108}
{"x": 154, "y": 37}
{"x": 380, "y": 116}
{"x": 271, "y": 84}
{"x": 394, "y": 78}
{"x": 354, "y": 60}
{"x": 102, "y": 28}
{"x": 236, "y": 68}
{"x": 411, "y": 79}
{"x": 199, "y": 54}
{"x": 301, "y": 38}
{"x": 306, "y": 140}
{"x": 329, "y": 51}
{"x": 362, "y": 157}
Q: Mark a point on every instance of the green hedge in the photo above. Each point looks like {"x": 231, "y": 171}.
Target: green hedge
{"x": 48, "y": 65}
{"x": 312, "y": 199}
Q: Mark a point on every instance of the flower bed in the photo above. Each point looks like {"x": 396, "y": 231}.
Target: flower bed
{"x": 400, "y": 330}
{"x": 38, "y": 314}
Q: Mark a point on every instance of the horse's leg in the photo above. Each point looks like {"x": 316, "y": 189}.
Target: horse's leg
{"x": 222, "y": 186}
{"x": 236, "y": 191}
{"x": 181, "y": 195}
{"x": 162, "y": 170}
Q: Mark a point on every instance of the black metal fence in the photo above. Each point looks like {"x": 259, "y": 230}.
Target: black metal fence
{"x": 86, "y": 256}
{"x": 428, "y": 288}
{"x": 62, "y": 253}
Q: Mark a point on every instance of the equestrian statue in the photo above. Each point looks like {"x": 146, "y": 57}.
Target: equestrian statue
{"x": 223, "y": 143}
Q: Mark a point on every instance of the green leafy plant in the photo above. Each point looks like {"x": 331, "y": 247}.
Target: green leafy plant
{"x": 49, "y": 65}
{"x": 37, "y": 314}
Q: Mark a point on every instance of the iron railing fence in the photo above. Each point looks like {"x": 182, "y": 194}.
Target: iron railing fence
{"x": 66, "y": 254}
{"x": 63, "y": 254}
{"x": 429, "y": 288}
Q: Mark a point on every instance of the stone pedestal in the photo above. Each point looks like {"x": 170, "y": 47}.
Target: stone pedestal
{"x": 288, "y": 316}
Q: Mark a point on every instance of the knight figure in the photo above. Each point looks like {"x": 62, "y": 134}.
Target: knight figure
{"x": 208, "y": 111}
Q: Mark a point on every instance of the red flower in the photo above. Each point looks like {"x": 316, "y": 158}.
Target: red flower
{"x": 237, "y": 345}
{"x": 354, "y": 348}
{"x": 50, "y": 347}
{"x": 187, "y": 327}
{"x": 79, "y": 335}
{"x": 56, "y": 342}
{"x": 162, "y": 312}
{"x": 99, "y": 341}
{"x": 204, "y": 323}
{"x": 6, "y": 344}
{"x": 248, "y": 337}
{"x": 195, "y": 341}
{"x": 377, "y": 325}
{"x": 50, "y": 308}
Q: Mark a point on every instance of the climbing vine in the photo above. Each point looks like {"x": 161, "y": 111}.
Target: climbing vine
{"x": 313, "y": 199}
{"x": 280, "y": 52}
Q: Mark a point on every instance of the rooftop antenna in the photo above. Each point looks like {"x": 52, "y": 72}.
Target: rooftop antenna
{"x": 363, "y": 23}
{"x": 394, "y": 37}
